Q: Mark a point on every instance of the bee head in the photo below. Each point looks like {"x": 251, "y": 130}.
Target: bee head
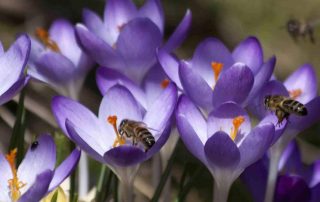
{"x": 267, "y": 100}
{"x": 293, "y": 25}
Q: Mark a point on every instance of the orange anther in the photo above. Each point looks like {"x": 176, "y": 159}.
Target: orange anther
{"x": 217, "y": 68}
{"x": 165, "y": 83}
{"x": 44, "y": 37}
{"x": 119, "y": 139}
{"x": 295, "y": 93}
{"x": 236, "y": 125}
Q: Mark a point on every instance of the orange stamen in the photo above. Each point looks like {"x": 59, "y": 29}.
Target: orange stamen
{"x": 295, "y": 93}
{"x": 236, "y": 125}
{"x": 165, "y": 83}
{"x": 119, "y": 140}
{"x": 217, "y": 68}
{"x": 14, "y": 183}
{"x": 44, "y": 37}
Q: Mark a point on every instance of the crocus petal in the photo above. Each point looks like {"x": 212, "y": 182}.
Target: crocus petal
{"x": 279, "y": 128}
{"x": 170, "y": 65}
{"x": 195, "y": 86}
{"x": 249, "y": 52}
{"x": 233, "y": 85}
{"x": 300, "y": 123}
{"x": 64, "y": 169}
{"x": 261, "y": 78}
{"x": 271, "y": 88}
{"x": 37, "y": 160}
{"x": 160, "y": 141}
{"x": 290, "y": 161}
{"x": 1, "y": 49}
{"x": 315, "y": 178}
{"x": 6, "y": 175}
{"x": 117, "y": 13}
{"x": 13, "y": 62}
{"x": 208, "y": 51}
{"x": 256, "y": 144}
{"x": 160, "y": 111}
{"x": 106, "y": 78}
{"x": 89, "y": 143}
{"x": 315, "y": 193}
{"x": 221, "y": 151}
{"x": 64, "y": 108}
{"x": 140, "y": 55}
{"x": 220, "y": 119}
{"x": 124, "y": 155}
{"x": 15, "y": 88}
{"x": 180, "y": 33}
{"x": 192, "y": 127}
{"x": 305, "y": 79}
{"x": 39, "y": 188}
{"x": 98, "y": 49}
{"x": 153, "y": 10}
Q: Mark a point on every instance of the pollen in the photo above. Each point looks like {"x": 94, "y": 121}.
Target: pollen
{"x": 295, "y": 93}
{"x": 236, "y": 125}
{"x": 217, "y": 68}
{"x": 165, "y": 83}
{"x": 119, "y": 140}
{"x": 14, "y": 184}
{"x": 44, "y": 37}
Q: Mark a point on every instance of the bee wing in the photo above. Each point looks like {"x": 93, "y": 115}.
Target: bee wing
{"x": 142, "y": 124}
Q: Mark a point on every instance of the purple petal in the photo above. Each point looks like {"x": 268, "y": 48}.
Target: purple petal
{"x": 153, "y": 10}
{"x": 13, "y": 90}
{"x": 315, "y": 193}
{"x": 6, "y": 175}
{"x": 290, "y": 161}
{"x": 37, "y": 160}
{"x": 89, "y": 143}
{"x": 13, "y": 62}
{"x": 256, "y": 144}
{"x": 208, "y": 51}
{"x": 39, "y": 188}
{"x": 160, "y": 141}
{"x": 1, "y": 49}
{"x": 304, "y": 79}
{"x": 261, "y": 78}
{"x": 64, "y": 169}
{"x": 192, "y": 127}
{"x": 221, "y": 151}
{"x": 300, "y": 123}
{"x": 124, "y": 155}
{"x": 279, "y": 129}
{"x": 55, "y": 68}
{"x": 106, "y": 78}
{"x": 180, "y": 33}
{"x": 159, "y": 113}
{"x": 139, "y": 55}
{"x": 117, "y": 13}
{"x": 170, "y": 65}
{"x": 271, "y": 88}
{"x": 233, "y": 85}
{"x": 64, "y": 108}
{"x": 195, "y": 86}
{"x": 249, "y": 52}
{"x": 291, "y": 188}
{"x": 315, "y": 178}
{"x": 220, "y": 119}
{"x": 98, "y": 49}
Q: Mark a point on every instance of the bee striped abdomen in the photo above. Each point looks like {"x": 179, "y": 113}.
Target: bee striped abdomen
{"x": 293, "y": 106}
{"x": 146, "y": 137}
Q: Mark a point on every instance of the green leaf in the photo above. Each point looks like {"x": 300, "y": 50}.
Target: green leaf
{"x": 104, "y": 183}
{"x": 54, "y": 197}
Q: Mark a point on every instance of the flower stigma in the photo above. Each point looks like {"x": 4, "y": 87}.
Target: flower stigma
{"x": 295, "y": 93}
{"x": 44, "y": 37}
{"x": 14, "y": 184}
{"x": 217, "y": 68}
{"x": 119, "y": 139}
{"x": 165, "y": 83}
{"x": 236, "y": 125}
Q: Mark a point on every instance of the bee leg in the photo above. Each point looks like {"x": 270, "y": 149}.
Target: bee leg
{"x": 281, "y": 116}
{"x": 134, "y": 141}
{"x": 286, "y": 116}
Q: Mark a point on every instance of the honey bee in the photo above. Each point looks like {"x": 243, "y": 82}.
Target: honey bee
{"x": 284, "y": 106}
{"x": 297, "y": 28}
{"x": 138, "y": 131}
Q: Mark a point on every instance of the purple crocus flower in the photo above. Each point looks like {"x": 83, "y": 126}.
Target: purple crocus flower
{"x": 214, "y": 75}
{"x": 127, "y": 38}
{"x": 36, "y": 176}
{"x": 224, "y": 141}
{"x": 12, "y": 68}
{"x": 296, "y": 183}
{"x": 97, "y": 137}
{"x": 57, "y": 60}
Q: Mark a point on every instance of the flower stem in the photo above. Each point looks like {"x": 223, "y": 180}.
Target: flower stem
{"x": 221, "y": 191}
{"x": 126, "y": 191}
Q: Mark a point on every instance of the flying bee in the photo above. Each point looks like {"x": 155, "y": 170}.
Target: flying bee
{"x": 138, "y": 131}
{"x": 297, "y": 28}
{"x": 284, "y": 106}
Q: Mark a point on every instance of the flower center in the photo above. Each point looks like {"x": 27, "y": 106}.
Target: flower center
{"x": 295, "y": 93}
{"x": 14, "y": 184}
{"x": 119, "y": 139}
{"x": 165, "y": 83}
{"x": 236, "y": 125}
{"x": 45, "y": 39}
{"x": 217, "y": 68}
